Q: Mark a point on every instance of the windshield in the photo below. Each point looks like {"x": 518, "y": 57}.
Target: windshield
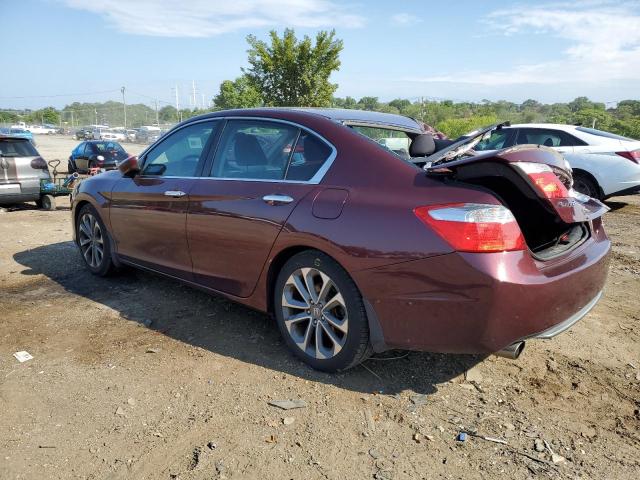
{"x": 14, "y": 147}
{"x": 109, "y": 147}
{"x": 396, "y": 141}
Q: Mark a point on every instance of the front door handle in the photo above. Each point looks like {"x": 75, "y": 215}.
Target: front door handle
{"x": 276, "y": 199}
{"x": 174, "y": 193}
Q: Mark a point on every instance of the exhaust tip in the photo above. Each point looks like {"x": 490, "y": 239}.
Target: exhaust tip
{"x": 512, "y": 351}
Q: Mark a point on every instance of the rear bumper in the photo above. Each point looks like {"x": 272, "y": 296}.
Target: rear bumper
{"x": 481, "y": 303}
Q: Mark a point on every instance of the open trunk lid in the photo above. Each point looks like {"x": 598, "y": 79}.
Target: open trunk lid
{"x": 535, "y": 183}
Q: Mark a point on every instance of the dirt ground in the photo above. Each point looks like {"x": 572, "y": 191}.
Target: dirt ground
{"x": 138, "y": 377}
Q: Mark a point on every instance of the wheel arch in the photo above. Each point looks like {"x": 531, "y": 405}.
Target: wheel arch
{"x": 376, "y": 334}
{"x": 590, "y": 176}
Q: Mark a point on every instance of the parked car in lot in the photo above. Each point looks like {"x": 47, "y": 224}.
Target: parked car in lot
{"x": 116, "y": 134}
{"x": 352, "y": 247}
{"x": 604, "y": 164}
{"x": 18, "y": 132}
{"x": 83, "y": 133}
{"x": 42, "y": 129}
{"x": 96, "y": 154}
{"x": 21, "y": 170}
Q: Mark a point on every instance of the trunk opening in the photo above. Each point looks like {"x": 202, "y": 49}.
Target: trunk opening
{"x": 546, "y": 234}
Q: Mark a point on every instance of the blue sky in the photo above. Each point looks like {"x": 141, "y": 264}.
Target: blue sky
{"x": 461, "y": 50}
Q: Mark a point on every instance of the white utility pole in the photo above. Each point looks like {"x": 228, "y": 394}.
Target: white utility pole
{"x": 157, "y": 121}
{"x": 178, "y": 112}
{"x": 193, "y": 91}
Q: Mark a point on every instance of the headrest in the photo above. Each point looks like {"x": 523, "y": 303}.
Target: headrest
{"x": 422, "y": 145}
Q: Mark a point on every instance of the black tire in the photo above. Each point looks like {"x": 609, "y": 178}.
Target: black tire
{"x": 46, "y": 202}
{"x": 356, "y": 346}
{"x": 100, "y": 265}
{"x": 90, "y": 166}
{"x": 584, "y": 184}
{"x": 71, "y": 168}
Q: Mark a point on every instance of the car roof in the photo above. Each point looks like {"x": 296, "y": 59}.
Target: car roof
{"x": 342, "y": 115}
{"x": 559, "y": 126}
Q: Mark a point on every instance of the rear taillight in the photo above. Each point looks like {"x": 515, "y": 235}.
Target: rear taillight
{"x": 544, "y": 179}
{"x": 474, "y": 227}
{"x": 634, "y": 155}
{"x": 39, "y": 164}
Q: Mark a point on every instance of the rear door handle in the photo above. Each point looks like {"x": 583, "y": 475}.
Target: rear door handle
{"x": 276, "y": 199}
{"x": 174, "y": 193}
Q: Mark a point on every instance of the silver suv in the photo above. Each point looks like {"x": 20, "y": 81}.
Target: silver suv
{"x": 21, "y": 169}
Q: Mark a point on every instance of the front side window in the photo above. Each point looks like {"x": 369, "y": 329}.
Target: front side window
{"x": 394, "y": 140}
{"x": 179, "y": 153}
{"x": 255, "y": 149}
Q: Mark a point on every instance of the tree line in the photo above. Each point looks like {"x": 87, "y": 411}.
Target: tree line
{"x": 287, "y": 71}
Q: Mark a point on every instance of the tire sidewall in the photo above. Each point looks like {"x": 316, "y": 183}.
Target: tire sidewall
{"x": 587, "y": 182}
{"x": 355, "y": 309}
{"x": 106, "y": 265}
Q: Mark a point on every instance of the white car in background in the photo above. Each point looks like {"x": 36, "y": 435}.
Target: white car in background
{"x": 115, "y": 134}
{"x": 604, "y": 164}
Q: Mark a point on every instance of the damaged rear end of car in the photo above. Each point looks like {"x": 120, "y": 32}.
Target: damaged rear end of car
{"x": 538, "y": 256}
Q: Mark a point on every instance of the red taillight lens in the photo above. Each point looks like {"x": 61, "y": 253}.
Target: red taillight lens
{"x": 39, "y": 164}
{"x": 544, "y": 179}
{"x": 473, "y": 227}
{"x": 634, "y": 155}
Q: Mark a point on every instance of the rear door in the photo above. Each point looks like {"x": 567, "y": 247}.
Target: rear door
{"x": 261, "y": 170}
{"x": 149, "y": 211}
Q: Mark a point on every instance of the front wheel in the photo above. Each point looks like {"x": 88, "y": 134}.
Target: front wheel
{"x": 46, "y": 202}
{"x": 93, "y": 241}
{"x": 320, "y": 312}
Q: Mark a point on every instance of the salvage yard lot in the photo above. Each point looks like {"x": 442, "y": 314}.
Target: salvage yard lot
{"x": 136, "y": 376}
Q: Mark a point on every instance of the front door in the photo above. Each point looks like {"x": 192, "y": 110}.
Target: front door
{"x": 148, "y": 212}
{"x": 260, "y": 172}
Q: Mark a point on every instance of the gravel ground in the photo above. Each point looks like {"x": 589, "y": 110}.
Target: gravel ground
{"x": 137, "y": 376}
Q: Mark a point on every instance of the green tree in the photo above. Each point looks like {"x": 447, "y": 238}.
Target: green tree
{"x": 238, "y": 93}
{"x": 168, "y": 114}
{"x": 289, "y": 72}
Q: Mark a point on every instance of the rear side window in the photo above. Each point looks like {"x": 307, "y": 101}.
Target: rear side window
{"x": 546, "y": 137}
{"x": 309, "y": 154}
{"x": 13, "y": 147}
{"x": 600, "y": 133}
{"x": 178, "y": 154}
{"x": 255, "y": 149}
{"x": 264, "y": 150}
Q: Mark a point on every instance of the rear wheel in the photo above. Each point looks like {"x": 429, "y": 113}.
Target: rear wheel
{"x": 585, "y": 185}
{"x": 320, "y": 312}
{"x": 93, "y": 241}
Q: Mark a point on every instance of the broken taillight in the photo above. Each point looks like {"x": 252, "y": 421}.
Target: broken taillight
{"x": 474, "y": 227}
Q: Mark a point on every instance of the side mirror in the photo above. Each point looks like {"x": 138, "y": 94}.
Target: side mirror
{"x": 129, "y": 167}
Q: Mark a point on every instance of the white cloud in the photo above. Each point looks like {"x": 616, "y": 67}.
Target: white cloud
{"x": 403, "y": 19}
{"x": 206, "y": 18}
{"x": 603, "y": 38}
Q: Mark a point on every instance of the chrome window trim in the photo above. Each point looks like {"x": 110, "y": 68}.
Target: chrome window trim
{"x": 315, "y": 180}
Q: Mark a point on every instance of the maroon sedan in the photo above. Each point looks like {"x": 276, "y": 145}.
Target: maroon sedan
{"x": 358, "y": 231}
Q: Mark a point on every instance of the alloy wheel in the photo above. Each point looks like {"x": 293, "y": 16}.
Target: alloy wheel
{"x": 315, "y": 313}
{"x": 91, "y": 240}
